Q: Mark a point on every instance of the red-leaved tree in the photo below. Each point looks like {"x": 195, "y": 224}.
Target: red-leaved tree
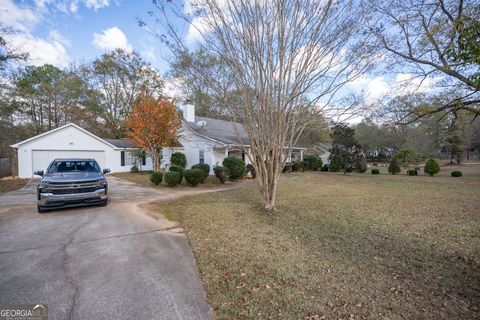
{"x": 154, "y": 124}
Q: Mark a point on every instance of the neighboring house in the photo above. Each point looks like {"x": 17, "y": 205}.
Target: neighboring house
{"x": 322, "y": 150}
{"x": 202, "y": 140}
{"x": 72, "y": 141}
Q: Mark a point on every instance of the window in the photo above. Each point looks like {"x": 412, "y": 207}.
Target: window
{"x": 201, "y": 156}
{"x": 128, "y": 159}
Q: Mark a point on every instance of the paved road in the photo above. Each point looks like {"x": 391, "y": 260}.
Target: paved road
{"x": 116, "y": 262}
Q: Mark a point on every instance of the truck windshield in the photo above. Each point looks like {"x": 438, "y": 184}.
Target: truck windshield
{"x": 74, "y": 166}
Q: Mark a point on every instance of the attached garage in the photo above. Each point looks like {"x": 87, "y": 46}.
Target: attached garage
{"x": 42, "y": 158}
{"x": 72, "y": 141}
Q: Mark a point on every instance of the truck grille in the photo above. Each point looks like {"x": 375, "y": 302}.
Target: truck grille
{"x": 73, "y": 190}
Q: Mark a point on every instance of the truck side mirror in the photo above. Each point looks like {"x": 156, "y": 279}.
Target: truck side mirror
{"x": 38, "y": 173}
{"x": 105, "y": 171}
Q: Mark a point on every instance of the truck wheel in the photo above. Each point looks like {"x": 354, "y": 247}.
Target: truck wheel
{"x": 40, "y": 209}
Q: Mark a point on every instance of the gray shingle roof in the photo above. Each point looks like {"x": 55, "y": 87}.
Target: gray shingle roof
{"x": 220, "y": 130}
{"x": 121, "y": 143}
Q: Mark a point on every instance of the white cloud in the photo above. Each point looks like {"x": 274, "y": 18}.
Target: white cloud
{"x": 72, "y": 6}
{"x": 40, "y": 50}
{"x": 21, "y": 18}
{"x": 110, "y": 39}
{"x": 24, "y": 20}
{"x": 374, "y": 88}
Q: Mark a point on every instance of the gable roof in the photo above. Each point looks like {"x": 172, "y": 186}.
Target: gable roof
{"x": 325, "y": 146}
{"x": 220, "y": 130}
{"x": 16, "y": 145}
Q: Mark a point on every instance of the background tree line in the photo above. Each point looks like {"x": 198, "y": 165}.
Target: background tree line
{"x": 96, "y": 95}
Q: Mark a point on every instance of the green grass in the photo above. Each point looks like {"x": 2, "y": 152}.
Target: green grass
{"x": 7, "y": 185}
{"x": 355, "y": 246}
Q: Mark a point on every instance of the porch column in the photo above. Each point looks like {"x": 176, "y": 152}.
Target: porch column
{"x": 301, "y": 155}
{"x": 226, "y": 152}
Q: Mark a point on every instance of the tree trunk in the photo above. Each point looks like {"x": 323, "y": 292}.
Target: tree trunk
{"x": 156, "y": 160}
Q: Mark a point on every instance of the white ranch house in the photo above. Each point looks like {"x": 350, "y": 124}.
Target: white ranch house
{"x": 202, "y": 140}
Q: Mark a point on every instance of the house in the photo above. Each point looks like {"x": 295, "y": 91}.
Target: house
{"x": 202, "y": 140}
{"x": 72, "y": 141}
{"x": 322, "y": 150}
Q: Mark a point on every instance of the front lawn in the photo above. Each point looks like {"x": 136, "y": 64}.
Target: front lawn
{"x": 349, "y": 247}
{"x": 7, "y": 185}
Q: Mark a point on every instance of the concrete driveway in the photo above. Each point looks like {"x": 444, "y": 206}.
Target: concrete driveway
{"x": 116, "y": 262}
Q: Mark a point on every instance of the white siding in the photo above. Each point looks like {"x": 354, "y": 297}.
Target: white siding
{"x": 67, "y": 142}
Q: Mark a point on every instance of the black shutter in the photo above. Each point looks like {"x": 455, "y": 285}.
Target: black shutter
{"x": 144, "y": 160}
{"x": 122, "y": 158}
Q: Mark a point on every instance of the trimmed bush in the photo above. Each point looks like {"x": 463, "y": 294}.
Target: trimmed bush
{"x": 172, "y": 178}
{"x": 394, "y": 166}
{"x": 324, "y": 168}
{"x": 156, "y": 178}
{"x": 235, "y": 166}
{"x": 412, "y": 173}
{"x": 221, "y": 173}
{"x": 456, "y": 174}
{"x": 375, "y": 171}
{"x": 178, "y": 159}
{"x": 181, "y": 170}
{"x": 194, "y": 176}
{"x": 204, "y": 167}
{"x": 431, "y": 167}
{"x": 297, "y": 166}
{"x": 288, "y": 167}
{"x": 134, "y": 169}
{"x": 334, "y": 165}
{"x": 312, "y": 162}
{"x": 361, "y": 165}
{"x": 251, "y": 169}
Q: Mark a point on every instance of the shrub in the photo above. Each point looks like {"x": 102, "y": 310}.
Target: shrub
{"x": 394, "y": 167}
{"x": 288, "y": 167}
{"x": 412, "y": 173}
{"x": 181, "y": 170}
{"x": 194, "y": 176}
{"x": 204, "y": 167}
{"x": 406, "y": 157}
{"x": 375, "y": 164}
{"x": 361, "y": 164}
{"x": 172, "y": 178}
{"x": 456, "y": 174}
{"x": 251, "y": 169}
{"x": 178, "y": 159}
{"x": 324, "y": 168}
{"x": 375, "y": 171}
{"x": 221, "y": 173}
{"x": 134, "y": 169}
{"x": 156, "y": 178}
{"x": 334, "y": 165}
{"x": 297, "y": 166}
{"x": 312, "y": 162}
{"x": 235, "y": 166}
{"x": 431, "y": 167}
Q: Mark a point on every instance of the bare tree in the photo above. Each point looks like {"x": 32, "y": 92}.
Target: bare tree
{"x": 289, "y": 58}
{"x": 433, "y": 39}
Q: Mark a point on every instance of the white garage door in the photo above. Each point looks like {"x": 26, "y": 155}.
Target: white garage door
{"x": 42, "y": 158}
